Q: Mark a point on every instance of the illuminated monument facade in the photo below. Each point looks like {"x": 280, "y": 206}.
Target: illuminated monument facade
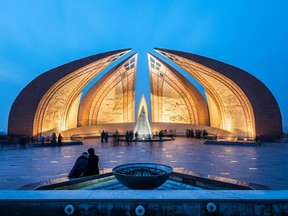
{"x": 235, "y": 104}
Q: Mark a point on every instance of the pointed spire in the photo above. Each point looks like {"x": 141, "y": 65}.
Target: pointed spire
{"x": 143, "y": 127}
{"x": 143, "y": 104}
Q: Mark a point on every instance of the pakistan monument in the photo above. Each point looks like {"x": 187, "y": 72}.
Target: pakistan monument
{"x": 234, "y": 104}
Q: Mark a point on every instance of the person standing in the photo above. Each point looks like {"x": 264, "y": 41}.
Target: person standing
{"x": 53, "y": 138}
{"x": 23, "y": 142}
{"x": 160, "y": 135}
{"x": 106, "y": 136}
{"x": 102, "y": 136}
{"x": 93, "y": 168}
{"x": 59, "y": 139}
{"x": 127, "y": 137}
{"x": 42, "y": 140}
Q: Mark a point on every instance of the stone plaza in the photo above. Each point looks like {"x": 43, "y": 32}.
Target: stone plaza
{"x": 264, "y": 164}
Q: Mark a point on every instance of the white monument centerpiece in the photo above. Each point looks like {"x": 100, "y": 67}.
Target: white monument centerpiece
{"x": 142, "y": 127}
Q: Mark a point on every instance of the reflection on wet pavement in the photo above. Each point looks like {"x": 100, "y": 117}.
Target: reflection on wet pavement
{"x": 265, "y": 164}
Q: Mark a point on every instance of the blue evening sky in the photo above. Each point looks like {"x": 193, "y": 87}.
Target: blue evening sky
{"x": 38, "y": 35}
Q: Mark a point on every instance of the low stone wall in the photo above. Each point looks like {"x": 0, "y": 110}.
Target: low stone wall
{"x": 128, "y": 202}
{"x": 174, "y": 128}
{"x": 180, "y": 129}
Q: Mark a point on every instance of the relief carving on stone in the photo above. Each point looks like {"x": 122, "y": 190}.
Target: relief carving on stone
{"x": 56, "y": 109}
{"x": 168, "y": 92}
{"x": 56, "y": 103}
{"x": 111, "y": 109}
{"x": 113, "y": 100}
{"x": 233, "y": 104}
{"x": 174, "y": 111}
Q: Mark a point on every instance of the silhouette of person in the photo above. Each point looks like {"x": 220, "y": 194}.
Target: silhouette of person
{"x": 59, "y": 139}
{"x": 23, "y": 142}
{"x": 106, "y": 136}
{"x": 93, "y": 160}
{"x": 53, "y": 138}
{"x": 102, "y": 136}
{"x": 160, "y": 135}
{"x": 42, "y": 140}
{"x": 80, "y": 166}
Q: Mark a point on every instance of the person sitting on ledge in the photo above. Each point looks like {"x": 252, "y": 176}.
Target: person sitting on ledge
{"x": 80, "y": 166}
{"x": 93, "y": 168}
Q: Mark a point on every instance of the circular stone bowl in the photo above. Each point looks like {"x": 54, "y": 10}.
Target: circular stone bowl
{"x": 142, "y": 176}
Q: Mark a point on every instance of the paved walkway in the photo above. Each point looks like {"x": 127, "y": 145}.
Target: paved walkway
{"x": 265, "y": 164}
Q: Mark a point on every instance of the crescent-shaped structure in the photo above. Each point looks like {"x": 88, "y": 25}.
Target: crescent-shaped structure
{"x": 50, "y": 102}
{"x": 173, "y": 98}
{"x": 237, "y": 101}
{"x": 112, "y": 99}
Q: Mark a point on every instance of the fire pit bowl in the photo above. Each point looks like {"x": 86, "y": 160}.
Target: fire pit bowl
{"x": 142, "y": 176}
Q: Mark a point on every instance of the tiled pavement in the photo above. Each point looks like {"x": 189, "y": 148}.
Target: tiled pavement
{"x": 266, "y": 164}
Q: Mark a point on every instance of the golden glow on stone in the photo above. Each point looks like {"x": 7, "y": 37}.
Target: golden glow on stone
{"x": 111, "y": 99}
{"x": 57, "y": 109}
{"x": 171, "y": 99}
{"x": 229, "y": 107}
{"x": 72, "y": 115}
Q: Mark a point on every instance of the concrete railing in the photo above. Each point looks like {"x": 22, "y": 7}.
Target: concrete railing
{"x": 147, "y": 202}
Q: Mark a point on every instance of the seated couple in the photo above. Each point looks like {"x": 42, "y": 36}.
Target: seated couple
{"x": 85, "y": 165}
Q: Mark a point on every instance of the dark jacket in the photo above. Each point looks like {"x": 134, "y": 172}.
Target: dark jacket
{"x": 93, "y": 167}
{"x": 79, "y": 167}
